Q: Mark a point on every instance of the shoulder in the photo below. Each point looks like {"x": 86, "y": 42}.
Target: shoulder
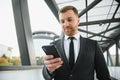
{"x": 92, "y": 44}
{"x": 88, "y": 40}
{"x": 56, "y": 41}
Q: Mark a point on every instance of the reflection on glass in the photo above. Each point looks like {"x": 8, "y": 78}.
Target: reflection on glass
{"x": 9, "y": 51}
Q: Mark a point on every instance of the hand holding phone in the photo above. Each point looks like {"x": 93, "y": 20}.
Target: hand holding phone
{"x": 51, "y": 50}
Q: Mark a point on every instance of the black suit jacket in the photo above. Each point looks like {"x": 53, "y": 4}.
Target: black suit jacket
{"x": 90, "y": 59}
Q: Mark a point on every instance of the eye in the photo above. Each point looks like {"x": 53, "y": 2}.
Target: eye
{"x": 62, "y": 21}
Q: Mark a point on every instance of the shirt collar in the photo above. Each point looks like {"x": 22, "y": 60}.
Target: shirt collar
{"x": 76, "y": 36}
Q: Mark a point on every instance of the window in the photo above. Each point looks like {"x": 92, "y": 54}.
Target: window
{"x": 42, "y": 20}
{"x": 112, "y": 51}
{"x": 9, "y": 51}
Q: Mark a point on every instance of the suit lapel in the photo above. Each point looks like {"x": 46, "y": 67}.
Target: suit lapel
{"x": 60, "y": 47}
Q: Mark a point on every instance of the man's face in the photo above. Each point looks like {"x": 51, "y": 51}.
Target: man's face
{"x": 69, "y": 22}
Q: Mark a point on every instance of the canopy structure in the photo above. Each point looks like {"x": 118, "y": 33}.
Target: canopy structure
{"x": 100, "y": 19}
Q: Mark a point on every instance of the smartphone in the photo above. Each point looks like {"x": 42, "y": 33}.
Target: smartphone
{"x": 51, "y": 50}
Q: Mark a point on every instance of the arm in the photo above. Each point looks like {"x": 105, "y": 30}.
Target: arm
{"x": 100, "y": 64}
{"x": 46, "y": 74}
{"x": 50, "y": 65}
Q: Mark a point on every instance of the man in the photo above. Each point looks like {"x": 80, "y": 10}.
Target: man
{"x": 88, "y": 57}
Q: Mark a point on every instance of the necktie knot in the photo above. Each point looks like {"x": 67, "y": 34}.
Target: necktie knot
{"x": 71, "y": 38}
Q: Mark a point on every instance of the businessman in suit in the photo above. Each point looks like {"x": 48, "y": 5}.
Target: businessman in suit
{"x": 86, "y": 58}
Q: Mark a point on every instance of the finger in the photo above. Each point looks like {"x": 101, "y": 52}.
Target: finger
{"x": 58, "y": 66}
{"x": 54, "y": 68}
{"x": 54, "y": 65}
{"x": 47, "y": 57}
{"x": 52, "y": 61}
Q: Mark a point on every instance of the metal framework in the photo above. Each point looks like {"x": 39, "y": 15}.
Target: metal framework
{"x": 24, "y": 33}
{"x": 110, "y": 40}
{"x": 52, "y": 3}
{"x": 45, "y": 35}
{"x": 100, "y": 22}
{"x": 89, "y": 7}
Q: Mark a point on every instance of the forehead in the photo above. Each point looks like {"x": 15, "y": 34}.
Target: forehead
{"x": 67, "y": 14}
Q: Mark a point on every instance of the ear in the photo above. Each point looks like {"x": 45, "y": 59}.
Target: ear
{"x": 78, "y": 20}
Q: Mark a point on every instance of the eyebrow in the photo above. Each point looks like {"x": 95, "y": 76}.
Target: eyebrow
{"x": 67, "y": 18}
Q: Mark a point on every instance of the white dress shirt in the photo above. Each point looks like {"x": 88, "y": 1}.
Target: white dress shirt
{"x": 76, "y": 45}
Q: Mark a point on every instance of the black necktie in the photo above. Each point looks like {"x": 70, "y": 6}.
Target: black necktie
{"x": 71, "y": 53}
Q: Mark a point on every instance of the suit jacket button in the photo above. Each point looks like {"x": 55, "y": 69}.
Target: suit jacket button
{"x": 71, "y": 75}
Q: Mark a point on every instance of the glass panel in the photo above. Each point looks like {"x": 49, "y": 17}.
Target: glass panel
{"x": 9, "y": 51}
{"x": 119, "y": 44}
{"x": 113, "y": 53}
{"x": 119, "y": 51}
{"x": 41, "y": 17}
{"x": 38, "y": 43}
{"x": 119, "y": 55}
{"x": 42, "y": 20}
{"x": 105, "y": 55}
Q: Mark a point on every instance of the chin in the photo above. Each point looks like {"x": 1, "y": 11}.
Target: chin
{"x": 68, "y": 34}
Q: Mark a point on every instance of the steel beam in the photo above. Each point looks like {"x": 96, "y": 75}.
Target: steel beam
{"x": 100, "y": 22}
{"x": 24, "y": 34}
{"x": 53, "y": 7}
{"x": 118, "y": 26}
{"x": 118, "y": 1}
{"x": 117, "y": 54}
{"x": 112, "y": 18}
{"x": 89, "y": 7}
{"x": 94, "y": 34}
{"x": 110, "y": 58}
